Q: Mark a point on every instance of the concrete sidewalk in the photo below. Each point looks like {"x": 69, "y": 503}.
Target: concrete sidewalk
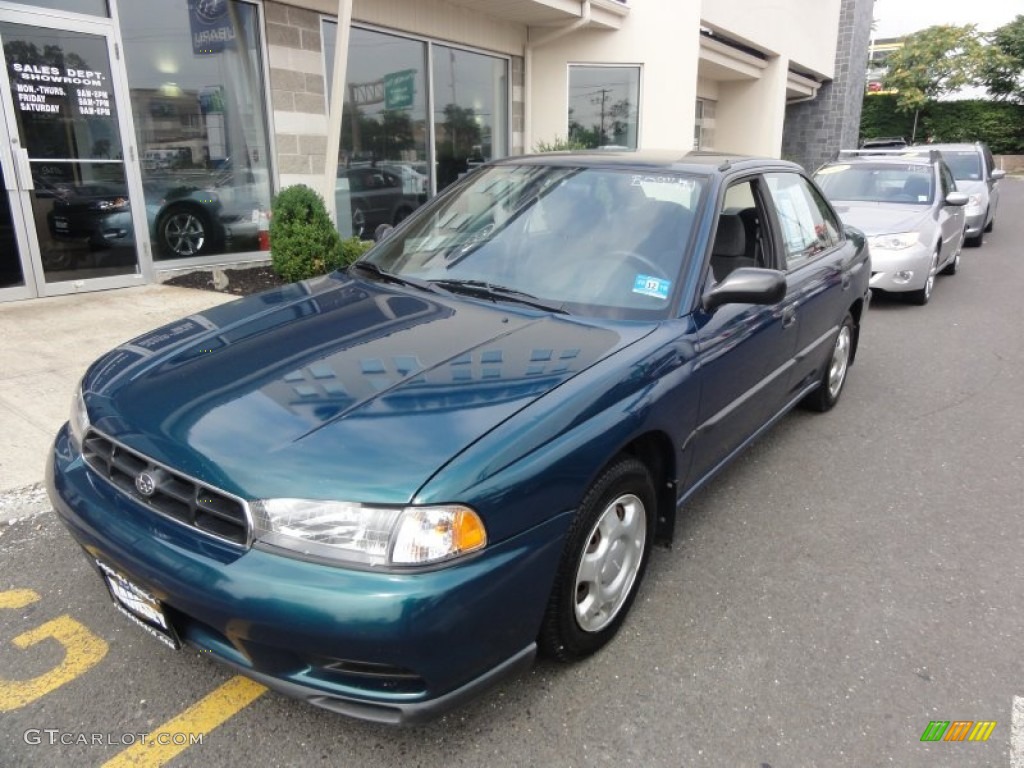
{"x": 45, "y": 347}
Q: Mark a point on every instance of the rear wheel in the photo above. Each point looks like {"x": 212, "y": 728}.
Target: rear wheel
{"x": 603, "y": 562}
{"x": 833, "y": 377}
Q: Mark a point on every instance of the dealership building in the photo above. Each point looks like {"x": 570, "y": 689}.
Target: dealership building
{"x": 141, "y": 138}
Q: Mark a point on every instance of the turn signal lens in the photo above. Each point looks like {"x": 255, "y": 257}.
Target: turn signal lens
{"x": 431, "y": 534}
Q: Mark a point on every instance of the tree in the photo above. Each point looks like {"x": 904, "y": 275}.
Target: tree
{"x": 1003, "y": 72}
{"x": 934, "y": 62}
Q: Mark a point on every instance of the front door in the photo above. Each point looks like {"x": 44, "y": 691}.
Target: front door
{"x": 68, "y": 220}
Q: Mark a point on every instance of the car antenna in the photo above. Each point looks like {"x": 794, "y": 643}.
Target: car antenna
{"x": 725, "y": 166}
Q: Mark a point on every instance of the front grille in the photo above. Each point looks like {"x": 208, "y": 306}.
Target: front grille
{"x": 175, "y": 495}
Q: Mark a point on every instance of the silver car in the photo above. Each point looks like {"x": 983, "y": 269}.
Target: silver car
{"x": 975, "y": 172}
{"x": 911, "y": 211}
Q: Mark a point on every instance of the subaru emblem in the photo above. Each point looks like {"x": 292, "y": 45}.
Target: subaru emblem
{"x": 145, "y": 484}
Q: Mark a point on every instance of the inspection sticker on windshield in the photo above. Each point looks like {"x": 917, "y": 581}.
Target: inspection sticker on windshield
{"x": 652, "y": 286}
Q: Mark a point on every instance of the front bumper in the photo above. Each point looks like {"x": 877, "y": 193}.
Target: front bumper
{"x": 887, "y": 265}
{"x": 388, "y": 647}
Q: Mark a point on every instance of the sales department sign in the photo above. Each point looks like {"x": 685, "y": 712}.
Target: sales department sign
{"x": 212, "y": 28}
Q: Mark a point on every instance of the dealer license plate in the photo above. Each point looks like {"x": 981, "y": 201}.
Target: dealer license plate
{"x": 139, "y": 606}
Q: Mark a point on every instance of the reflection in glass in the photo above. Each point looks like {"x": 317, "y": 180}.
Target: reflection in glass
{"x": 89, "y": 7}
{"x": 385, "y": 128}
{"x": 83, "y": 220}
{"x": 196, "y": 78}
{"x": 470, "y": 102}
{"x": 66, "y": 117}
{"x": 603, "y": 106}
{"x": 382, "y": 165}
{"x": 10, "y": 259}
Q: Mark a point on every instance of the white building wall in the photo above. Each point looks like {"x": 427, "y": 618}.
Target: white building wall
{"x": 804, "y": 31}
{"x": 661, "y": 37}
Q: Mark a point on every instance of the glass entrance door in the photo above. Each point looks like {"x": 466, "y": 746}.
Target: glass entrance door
{"x": 68, "y": 184}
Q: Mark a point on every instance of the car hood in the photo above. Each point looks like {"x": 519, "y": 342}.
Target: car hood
{"x": 335, "y": 388}
{"x": 969, "y": 187}
{"x": 882, "y": 218}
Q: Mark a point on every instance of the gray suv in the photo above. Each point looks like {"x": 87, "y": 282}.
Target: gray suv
{"x": 976, "y": 174}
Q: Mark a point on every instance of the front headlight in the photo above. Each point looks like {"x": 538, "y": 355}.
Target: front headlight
{"x": 894, "y": 242}
{"x": 78, "y": 419}
{"x": 974, "y": 201}
{"x": 366, "y": 535}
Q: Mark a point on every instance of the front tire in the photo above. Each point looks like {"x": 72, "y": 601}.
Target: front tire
{"x": 924, "y": 295}
{"x": 184, "y": 231}
{"x": 603, "y": 562}
{"x": 833, "y": 377}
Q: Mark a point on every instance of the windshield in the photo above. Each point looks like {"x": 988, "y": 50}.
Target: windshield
{"x": 966, "y": 165}
{"x": 588, "y": 241}
{"x": 877, "y": 182}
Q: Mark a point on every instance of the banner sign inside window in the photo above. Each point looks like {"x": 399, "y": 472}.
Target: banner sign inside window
{"x": 212, "y": 27}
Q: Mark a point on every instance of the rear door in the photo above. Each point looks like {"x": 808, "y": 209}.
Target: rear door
{"x": 819, "y": 263}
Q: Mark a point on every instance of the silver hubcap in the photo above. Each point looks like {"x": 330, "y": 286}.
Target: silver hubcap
{"x": 185, "y": 234}
{"x": 610, "y": 562}
{"x": 840, "y": 360}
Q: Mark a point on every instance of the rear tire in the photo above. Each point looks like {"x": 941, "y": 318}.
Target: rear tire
{"x": 603, "y": 562}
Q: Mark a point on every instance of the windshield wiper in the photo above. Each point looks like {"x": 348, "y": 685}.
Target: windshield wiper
{"x": 371, "y": 269}
{"x": 499, "y": 292}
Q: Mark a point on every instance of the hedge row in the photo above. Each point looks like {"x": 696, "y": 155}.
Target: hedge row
{"x": 998, "y": 124}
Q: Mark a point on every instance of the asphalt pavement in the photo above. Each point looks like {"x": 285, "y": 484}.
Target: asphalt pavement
{"x": 854, "y": 577}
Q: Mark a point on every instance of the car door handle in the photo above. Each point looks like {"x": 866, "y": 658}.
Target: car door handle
{"x": 788, "y": 316}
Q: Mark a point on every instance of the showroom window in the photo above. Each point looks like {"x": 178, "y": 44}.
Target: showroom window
{"x": 196, "y": 78}
{"x": 704, "y": 124}
{"x": 387, "y": 166}
{"x": 604, "y": 106}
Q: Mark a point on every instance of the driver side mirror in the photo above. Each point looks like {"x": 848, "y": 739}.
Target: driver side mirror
{"x": 956, "y": 198}
{"x": 747, "y": 285}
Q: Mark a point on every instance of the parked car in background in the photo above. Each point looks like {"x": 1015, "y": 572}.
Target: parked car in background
{"x": 909, "y": 208}
{"x": 373, "y": 195}
{"x": 384, "y": 488}
{"x": 185, "y": 217}
{"x": 974, "y": 169}
{"x": 884, "y": 142}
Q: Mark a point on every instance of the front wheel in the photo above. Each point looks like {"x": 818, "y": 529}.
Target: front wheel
{"x": 603, "y": 562}
{"x": 923, "y": 295}
{"x": 185, "y": 230}
{"x": 833, "y": 377}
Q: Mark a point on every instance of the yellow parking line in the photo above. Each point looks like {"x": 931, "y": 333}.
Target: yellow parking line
{"x": 175, "y": 736}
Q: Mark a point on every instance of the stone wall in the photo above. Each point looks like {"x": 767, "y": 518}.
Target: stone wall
{"x": 297, "y": 93}
{"x": 815, "y": 130}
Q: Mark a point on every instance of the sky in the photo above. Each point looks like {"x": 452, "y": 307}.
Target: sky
{"x": 894, "y": 18}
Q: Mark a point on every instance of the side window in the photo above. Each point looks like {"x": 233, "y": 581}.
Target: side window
{"x": 741, "y": 240}
{"x": 948, "y": 185}
{"x": 808, "y": 226}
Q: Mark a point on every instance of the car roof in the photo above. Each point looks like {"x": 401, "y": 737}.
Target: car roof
{"x": 698, "y": 162}
{"x": 953, "y": 146}
{"x": 892, "y": 157}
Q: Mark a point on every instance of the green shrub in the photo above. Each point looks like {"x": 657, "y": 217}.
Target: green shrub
{"x": 303, "y": 240}
{"x": 559, "y": 145}
{"x": 352, "y": 248}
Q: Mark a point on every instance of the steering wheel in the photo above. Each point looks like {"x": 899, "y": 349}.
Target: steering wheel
{"x": 647, "y": 265}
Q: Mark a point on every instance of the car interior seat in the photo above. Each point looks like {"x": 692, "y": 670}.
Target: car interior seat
{"x": 730, "y": 249}
{"x": 918, "y": 188}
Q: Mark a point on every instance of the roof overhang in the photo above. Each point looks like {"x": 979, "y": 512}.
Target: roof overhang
{"x": 604, "y": 14}
{"x": 722, "y": 62}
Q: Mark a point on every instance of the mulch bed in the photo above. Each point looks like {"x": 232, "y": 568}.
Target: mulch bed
{"x": 240, "y": 282}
